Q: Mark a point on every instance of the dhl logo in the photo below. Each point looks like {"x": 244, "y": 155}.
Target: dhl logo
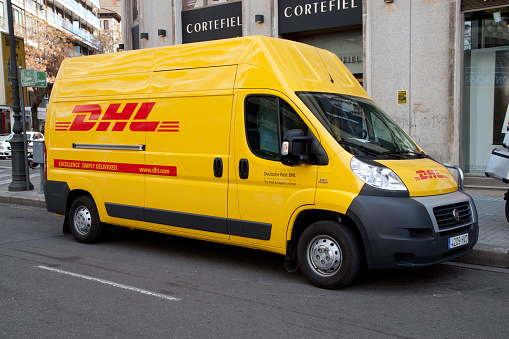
{"x": 429, "y": 174}
{"x": 88, "y": 117}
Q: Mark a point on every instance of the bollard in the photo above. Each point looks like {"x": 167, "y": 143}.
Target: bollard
{"x": 39, "y": 158}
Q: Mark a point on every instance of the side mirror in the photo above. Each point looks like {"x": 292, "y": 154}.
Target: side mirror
{"x": 295, "y": 148}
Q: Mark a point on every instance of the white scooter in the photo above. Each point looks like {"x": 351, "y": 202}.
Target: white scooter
{"x": 498, "y": 168}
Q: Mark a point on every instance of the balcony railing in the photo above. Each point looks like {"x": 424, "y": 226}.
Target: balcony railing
{"x": 82, "y": 11}
{"x": 61, "y": 22}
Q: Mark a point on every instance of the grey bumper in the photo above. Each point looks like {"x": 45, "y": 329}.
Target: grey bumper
{"x": 412, "y": 232}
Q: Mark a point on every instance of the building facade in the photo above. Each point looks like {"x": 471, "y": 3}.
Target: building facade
{"x": 439, "y": 67}
{"x": 111, "y": 33}
{"x": 109, "y": 14}
{"x": 77, "y": 17}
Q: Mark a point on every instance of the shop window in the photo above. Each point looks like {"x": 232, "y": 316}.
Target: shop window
{"x": 267, "y": 120}
{"x": 190, "y": 4}
{"x": 486, "y": 86}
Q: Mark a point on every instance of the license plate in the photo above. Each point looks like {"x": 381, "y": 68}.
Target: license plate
{"x": 459, "y": 240}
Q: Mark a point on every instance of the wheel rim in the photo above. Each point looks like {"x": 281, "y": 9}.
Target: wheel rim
{"x": 324, "y": 255}
{"x": 82, "y": 220}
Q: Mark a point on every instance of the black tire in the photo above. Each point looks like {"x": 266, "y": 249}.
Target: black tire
{"x": 84, "y": 221}
{"x": 329, "y": 254}
{"x": 507, "y": 210}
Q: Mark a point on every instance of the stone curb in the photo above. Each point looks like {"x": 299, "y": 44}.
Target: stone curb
{"x": 487, "y": 255}
{"x": 21, "y": 200}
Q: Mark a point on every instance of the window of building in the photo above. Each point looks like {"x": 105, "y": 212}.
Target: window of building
{"x": 18, "y": 17}
{"x": 268, "y": 118}
{"x": 32, "y": 4}
{"x": 106, "y": 24}
{"x": 190, "y": 4}
{"x": 2, "y": 17}
{"x": 485, "y": 85}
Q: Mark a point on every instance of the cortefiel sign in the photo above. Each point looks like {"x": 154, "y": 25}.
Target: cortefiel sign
{"x": 214, "y": 22}
{"x": 308, "y": 15}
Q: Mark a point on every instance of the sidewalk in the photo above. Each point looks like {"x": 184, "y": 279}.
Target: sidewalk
{"x": 492, "y": 248}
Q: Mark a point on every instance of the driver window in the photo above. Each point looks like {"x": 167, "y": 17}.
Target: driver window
{"x": 262, "y": 124}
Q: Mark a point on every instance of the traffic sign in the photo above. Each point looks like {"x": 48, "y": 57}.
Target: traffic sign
{"x": 28, "y": 77}
{"x": 33, "y": 78}
{"x": 41, "y": 79}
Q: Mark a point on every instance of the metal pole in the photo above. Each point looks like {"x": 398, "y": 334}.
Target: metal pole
{"x": 25, "y": 135}
{"x": 19, "y": 182}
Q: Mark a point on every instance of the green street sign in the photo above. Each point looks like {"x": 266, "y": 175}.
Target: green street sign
{"x": 41, "y": 79}
{"x": 32, "y": 78}
{"x": 28, "y": 77}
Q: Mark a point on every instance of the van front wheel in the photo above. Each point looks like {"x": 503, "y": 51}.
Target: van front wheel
{"x": 329, "y": 254}
{"x": 84, "y": 221}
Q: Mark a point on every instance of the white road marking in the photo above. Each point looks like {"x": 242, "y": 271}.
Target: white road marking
{"x": 111, "y": 283}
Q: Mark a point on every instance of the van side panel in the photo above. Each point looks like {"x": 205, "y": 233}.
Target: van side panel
{"x": 107, "y": 86}
{"x": 81, "y": 134}
{"x": 195, "y": 105}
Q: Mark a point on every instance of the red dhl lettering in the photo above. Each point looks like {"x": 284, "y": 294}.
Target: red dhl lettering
{"x": 115, "y": 118}
{"x": 429, "y": 174}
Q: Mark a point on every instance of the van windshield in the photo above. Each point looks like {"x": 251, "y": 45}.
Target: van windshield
{"x": 360, "y": 126}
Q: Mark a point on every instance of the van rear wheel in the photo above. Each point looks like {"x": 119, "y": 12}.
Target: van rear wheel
{"x": 84, "y": 221}
{"x": 329, "y": 254}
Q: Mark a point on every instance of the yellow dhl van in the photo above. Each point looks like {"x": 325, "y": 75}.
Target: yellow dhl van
{"x": 256, "y": 142}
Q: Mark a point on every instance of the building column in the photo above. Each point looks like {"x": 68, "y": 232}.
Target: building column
{"x": 251, "y": 8}
{"x": 413, "y": 46}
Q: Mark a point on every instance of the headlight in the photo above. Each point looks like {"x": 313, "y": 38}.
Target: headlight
{"x": 377, "y": 176}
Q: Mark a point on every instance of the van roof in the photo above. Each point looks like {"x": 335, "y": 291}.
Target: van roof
{"x": 263, "y": 62}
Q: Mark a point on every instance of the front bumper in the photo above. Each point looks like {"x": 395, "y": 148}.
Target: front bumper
{"x": 412, "y": 232}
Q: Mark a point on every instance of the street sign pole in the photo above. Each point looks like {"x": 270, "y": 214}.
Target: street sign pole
{"x": 23, "y": 115}
{"x": 19, "y": 182}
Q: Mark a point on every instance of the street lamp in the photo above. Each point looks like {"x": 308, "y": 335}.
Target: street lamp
{"x": 20, "y": 182}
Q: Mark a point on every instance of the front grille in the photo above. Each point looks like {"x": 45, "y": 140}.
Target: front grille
{"x": 444, "y": 215}
{"x": 454, "y": 231}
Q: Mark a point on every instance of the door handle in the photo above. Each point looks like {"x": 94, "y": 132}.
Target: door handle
{"x": 218, "y": 167}
{"x": 243, "y": 168}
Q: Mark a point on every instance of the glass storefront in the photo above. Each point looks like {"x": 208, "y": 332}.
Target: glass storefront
{"x": 486, "y": 86}
{"x": 346, "y": 45}
{"x": 190, "y": 4}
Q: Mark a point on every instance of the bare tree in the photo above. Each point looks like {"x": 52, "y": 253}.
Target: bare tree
{"x": 45, "y": 49}
{"x": 107, "y": 40}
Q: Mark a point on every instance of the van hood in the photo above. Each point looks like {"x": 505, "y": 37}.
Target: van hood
{"x": 422, "y": 177}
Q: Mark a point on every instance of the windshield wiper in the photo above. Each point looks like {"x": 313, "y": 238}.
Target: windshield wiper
{"x": 360, "y": 147}
{"x": 402, "y": 154}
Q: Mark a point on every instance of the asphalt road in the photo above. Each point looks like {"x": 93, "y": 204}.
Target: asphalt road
{"x": 146, "y": 285}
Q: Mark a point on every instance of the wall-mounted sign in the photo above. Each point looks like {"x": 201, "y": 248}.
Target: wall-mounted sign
{"x": 308, "y": 15}
{"x": 213, "y": 22}
{"x": 402, "y": 97}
